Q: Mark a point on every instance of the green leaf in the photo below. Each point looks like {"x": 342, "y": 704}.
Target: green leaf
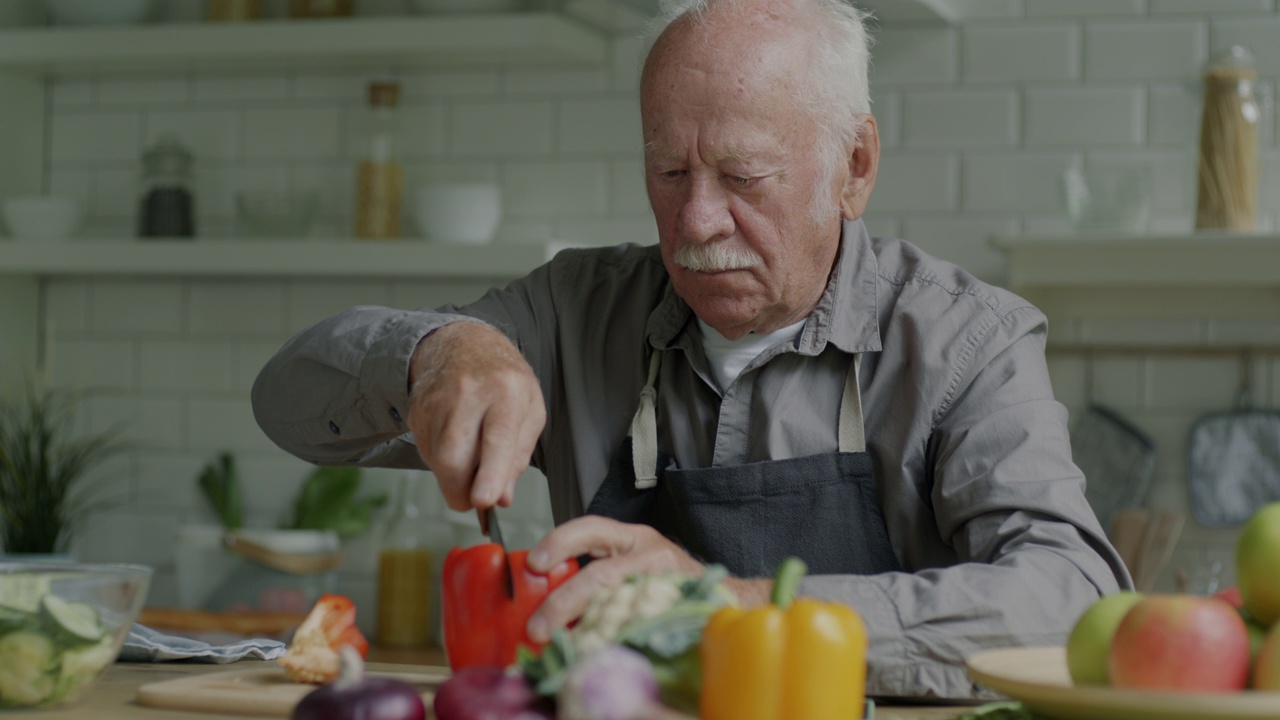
{"x": 327, "y": 501}
{"x": 547, "y": 671}
{"x": 221, "y": 487}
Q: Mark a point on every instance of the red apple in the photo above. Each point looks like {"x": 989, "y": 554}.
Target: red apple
{"x": 1231, "y": 596}
{"x": 1258, "y": 564}
{"x": 1266, "y": 668}
{"x": 1182, "y": 643}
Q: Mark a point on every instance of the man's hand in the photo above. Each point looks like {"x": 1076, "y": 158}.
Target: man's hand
{"x": 476, "y": 411}
{"x": 620, "y": 551}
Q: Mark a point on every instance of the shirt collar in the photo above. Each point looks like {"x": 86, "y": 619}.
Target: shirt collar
{"x": 845, "y": 316}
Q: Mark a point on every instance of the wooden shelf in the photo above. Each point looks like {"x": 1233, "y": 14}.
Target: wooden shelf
{"x": 1132, "y": 261}
{"x": 480, "y": 40}
{"x": 409, "y": 258}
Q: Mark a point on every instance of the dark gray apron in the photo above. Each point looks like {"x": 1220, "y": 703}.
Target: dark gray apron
{"x": 821, "y": 508}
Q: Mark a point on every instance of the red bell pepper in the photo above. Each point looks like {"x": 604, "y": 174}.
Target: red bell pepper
{"x": 482, "y": 626}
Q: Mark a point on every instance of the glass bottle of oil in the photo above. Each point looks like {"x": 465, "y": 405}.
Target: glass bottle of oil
{"x": 404, "y": 573}
{"x": 380, "y": 176}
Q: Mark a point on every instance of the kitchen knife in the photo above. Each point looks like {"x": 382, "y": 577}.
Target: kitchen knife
{"x": 489, "y": 526}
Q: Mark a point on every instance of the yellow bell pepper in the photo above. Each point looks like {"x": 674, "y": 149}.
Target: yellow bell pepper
{"x": 795, "y": 659}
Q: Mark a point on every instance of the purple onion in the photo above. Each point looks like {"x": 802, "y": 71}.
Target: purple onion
{"x": 489, "y": 693}
{"x": 355, "y": 697}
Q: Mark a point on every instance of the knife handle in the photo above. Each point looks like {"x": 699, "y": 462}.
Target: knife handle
{"x": 484, "y": 521}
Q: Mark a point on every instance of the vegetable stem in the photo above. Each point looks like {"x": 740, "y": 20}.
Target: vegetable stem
{"x": 787, "y": 580}
{"x": 350, "y": 668}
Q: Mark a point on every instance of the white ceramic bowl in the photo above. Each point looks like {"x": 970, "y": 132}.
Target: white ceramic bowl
{"x": 459, "y": 212}
{"x": 41, "y": 217}
{"x": 466, "y": 6}
{"x": 99, "y": 12}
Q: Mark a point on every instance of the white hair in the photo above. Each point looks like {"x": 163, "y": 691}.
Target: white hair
{"x": 836, "y": 93}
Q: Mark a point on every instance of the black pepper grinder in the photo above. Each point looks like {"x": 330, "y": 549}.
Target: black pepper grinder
{"x": 168, "y": 203}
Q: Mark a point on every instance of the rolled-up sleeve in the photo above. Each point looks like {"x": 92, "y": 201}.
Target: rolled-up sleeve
{"x": 337, "y": 393}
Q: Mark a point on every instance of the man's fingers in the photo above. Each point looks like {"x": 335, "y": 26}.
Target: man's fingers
{"x": 507, "y": 439}
{"x": 587, "y": 535}
{"x": 449, "y": 447}
{"x": 572, "y": 597}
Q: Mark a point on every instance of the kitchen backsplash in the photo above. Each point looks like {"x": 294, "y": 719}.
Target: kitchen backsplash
{"x": 977, "y": 122}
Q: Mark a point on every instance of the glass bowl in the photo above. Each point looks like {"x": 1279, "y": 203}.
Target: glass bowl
{"x": 61, "y": 625}
{"x": 1107, "y": 198}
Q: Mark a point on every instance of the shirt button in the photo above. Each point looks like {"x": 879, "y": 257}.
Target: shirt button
{"x": 334, "y": 427}
{"x": 395, "y": 414}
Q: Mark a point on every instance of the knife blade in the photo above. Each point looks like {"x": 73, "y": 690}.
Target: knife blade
{"x": 489, "y": 526}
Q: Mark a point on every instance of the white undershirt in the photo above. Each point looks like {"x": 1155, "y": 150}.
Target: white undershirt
{"x": 729, "y": 357}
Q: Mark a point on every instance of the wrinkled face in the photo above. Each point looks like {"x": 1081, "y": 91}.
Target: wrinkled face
{"x": 731, "y": 168}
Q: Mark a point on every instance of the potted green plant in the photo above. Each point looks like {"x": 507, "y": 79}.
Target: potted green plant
{"x": 46, "y": 495}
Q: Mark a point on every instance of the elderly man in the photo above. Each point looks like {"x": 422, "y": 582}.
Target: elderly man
{"x": 768, "y": 381}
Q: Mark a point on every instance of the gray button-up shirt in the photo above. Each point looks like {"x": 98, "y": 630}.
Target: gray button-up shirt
{"x": 983, "y": 505}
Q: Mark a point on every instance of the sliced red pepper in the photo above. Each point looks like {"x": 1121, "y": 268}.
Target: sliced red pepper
{"x": 482, "y": 626}
{"x": 334, "y": 616}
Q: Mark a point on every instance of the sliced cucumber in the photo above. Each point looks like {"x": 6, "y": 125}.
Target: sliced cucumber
{"x": 78, "y": 620}
{"x": 21, "y": 591}
{"x": 26, "y": 677}
{"x": 14, "y": 619}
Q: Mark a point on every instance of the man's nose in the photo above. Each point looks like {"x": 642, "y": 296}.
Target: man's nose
{"x": 705, "y": 215}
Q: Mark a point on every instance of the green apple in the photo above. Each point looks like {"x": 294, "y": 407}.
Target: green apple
{"x": 1090, "y": 639}
{"x": 1266, "y": 666}
{"x": 1257, "y": 636}
{"x": 1258, "y": 564}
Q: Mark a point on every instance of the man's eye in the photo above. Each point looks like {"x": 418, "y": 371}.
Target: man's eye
{"x": 742, "y": 181}
{"x": 671, "y": 174}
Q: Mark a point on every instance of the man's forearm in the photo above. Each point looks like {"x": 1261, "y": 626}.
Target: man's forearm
{"x": 336, "y": 392}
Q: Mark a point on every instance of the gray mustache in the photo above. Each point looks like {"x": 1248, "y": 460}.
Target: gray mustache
{"x": 715, "y": 257}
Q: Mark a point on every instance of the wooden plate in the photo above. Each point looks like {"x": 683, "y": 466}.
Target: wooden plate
{"x": 1039, "y": 678}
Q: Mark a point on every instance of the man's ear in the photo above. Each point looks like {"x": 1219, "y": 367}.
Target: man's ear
{"x": 863, "y": 164}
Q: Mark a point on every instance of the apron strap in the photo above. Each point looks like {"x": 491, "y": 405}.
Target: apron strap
{"x": 644, "y": 430}
{"x": 852, "y": 437}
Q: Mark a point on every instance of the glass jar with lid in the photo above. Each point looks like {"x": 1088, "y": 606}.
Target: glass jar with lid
{"x": 167, "y": 207}
{"x": 1229, "y": 158}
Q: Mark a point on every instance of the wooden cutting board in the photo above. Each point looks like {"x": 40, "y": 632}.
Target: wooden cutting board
{"x": 261, "y": 692}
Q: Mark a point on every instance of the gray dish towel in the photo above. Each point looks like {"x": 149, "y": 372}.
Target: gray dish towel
{"x": 147, "y": 645}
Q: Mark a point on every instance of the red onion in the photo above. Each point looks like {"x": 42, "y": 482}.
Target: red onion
{"x": 355, "y": 697}
{"x": 489, "y": 693}
{"x": 613, "y": 683}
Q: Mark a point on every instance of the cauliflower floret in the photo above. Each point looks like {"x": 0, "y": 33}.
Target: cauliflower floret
{"x": 641, "y": 597}
{"x": 24, "y": 676}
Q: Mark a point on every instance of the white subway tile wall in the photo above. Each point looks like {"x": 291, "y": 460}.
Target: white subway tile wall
{"x": 978, "y": 122}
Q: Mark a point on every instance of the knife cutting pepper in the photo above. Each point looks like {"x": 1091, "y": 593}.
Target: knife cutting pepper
{"x": 797, "y": 658}
{"x": 482, "y": 624}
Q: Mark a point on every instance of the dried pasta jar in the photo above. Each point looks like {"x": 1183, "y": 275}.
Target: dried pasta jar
{"x": 1229, "y": 162}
